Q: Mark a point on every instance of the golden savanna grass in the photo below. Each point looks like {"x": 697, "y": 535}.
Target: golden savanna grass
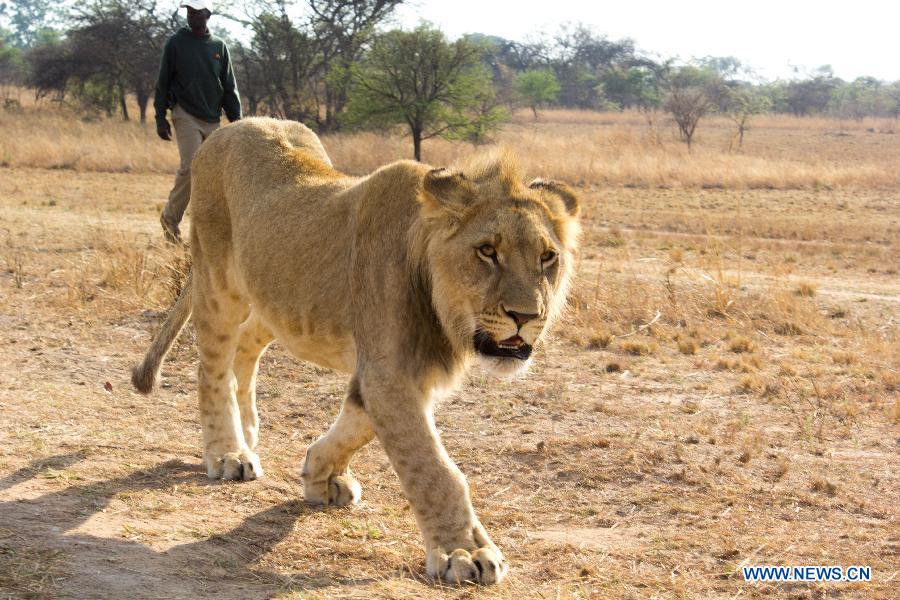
{"x": 723, "y": 391}
{"x": 591, "y": 149}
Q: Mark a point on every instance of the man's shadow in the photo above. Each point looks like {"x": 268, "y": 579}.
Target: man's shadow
{"x": 101, "y": 567}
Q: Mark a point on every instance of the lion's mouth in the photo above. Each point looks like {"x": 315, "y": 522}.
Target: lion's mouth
{"x": 514, "y": 347}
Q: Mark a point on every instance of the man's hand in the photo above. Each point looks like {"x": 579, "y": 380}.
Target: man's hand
{"x": 164, "y": 130}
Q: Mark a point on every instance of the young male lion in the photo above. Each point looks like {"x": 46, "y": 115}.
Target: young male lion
{"x": 400, "y": 278}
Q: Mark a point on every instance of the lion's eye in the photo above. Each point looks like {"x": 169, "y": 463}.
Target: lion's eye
{"x": 548, "y": 257}
{"x": 489, "y": 252}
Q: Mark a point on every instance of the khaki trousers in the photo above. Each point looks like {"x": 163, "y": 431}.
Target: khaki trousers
{"x": 190, "y": 132}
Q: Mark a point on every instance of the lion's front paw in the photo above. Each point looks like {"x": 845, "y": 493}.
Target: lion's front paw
{"x": 338, "y": 490}
{"x": 485, "y": 566}
{"x": 240, "y": 466}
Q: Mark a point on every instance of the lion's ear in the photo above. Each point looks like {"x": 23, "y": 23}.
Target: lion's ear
{"x": 447, "y": 191}
{"x": 566, "y": 194}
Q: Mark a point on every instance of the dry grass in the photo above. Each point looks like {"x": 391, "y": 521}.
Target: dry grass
{"x": 741, "y": 343}
{"x": 29, "y": 572}
{"x": 642, "y": 457}
{"x": 58, "y": 141}
{"x": 618, "y": 149}
{"x": 621, "y": 150}
{"x": 600, "y": 339}
{"x": 688, "y": 346}
{"x": 806, "y": 289}
{"x": 639, "y": 347}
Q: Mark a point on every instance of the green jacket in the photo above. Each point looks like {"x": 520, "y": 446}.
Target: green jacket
{"x": 196, "y": 74}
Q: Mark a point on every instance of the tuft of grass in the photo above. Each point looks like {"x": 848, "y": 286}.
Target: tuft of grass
{"x": 890, "y": 380}
{"x": 612, "y": 238}
{"x": 123, "y": 265}
{"x": 726, "y": 364}
{"x": 788, "y": 328}
{"x": 601, "y": 339}
{"x": 782, "y": 466}
{"x": 15, "y": 266}
{"x": 741, "y": 344}
{"x": 688, "y": 346}
{"x": 580, "y": 442}
{"x": 823, "y": 486}
{"x": 786, "y": 369}
{"x": 639, "y": 347}
{"x": 844, "y": 358}
{"x": 751, "y": 383}
{"x": 806, "y": 290}
{"x": 744, "y": 364}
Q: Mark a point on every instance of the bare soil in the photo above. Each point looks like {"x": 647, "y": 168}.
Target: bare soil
{"x": 608, "y": 472}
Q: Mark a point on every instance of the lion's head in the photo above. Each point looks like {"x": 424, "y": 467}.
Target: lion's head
{"x": 500, "y": 256}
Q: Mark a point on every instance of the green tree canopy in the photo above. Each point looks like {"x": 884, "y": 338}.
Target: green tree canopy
{"x": 419, "y": 79}
{"x": 29, "y": 19}
{"x": 635, "y": 87}
{"x": 12, "y": 69}
{"x": 744, "y": 101}
{"x": 538, "y": 88}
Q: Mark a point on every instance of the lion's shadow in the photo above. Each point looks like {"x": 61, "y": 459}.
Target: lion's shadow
{"x": 102, "y": 567}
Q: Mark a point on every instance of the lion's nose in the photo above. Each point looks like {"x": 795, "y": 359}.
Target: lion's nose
{"x": 520, "y": 318}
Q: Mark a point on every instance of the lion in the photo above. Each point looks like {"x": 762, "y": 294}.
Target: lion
{"x": 402, "y": 279}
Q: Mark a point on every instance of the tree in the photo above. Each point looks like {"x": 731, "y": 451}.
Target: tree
{"x": 580, "y": 58}
{"x": 488, "y": 114}
{"x": 864, "y": 96}
{"x": 12, "y": 70}
{"x": 300, "y": 68}
{"x": 812, "y": 95}
{"x": 537, "y": 88}
{"x": 893, "y": 99}
{"x": 281, "y": 65}
{"x": 29, "y": 19}
{"x": 113, "y": 50}
{"x": 634, "y": 87}
{"x": 522, "y": 56}
{"x": 687, "y": 99}
{"x": 343, "y": 28}
{"x": 744, "y": 102}
{"x": 419, "y": 79}
{"x": 48, "y": 69}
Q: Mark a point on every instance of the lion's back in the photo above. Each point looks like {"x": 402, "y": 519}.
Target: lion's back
{"x": 251, "y": 144}
{"x": 253, "y": 158}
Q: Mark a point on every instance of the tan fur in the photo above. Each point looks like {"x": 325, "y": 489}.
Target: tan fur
{"x": 395, "y": 278}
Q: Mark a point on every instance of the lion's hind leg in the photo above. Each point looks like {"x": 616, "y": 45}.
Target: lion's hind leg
{"x": 253, "y": 339}
{"x": 218, "y": 312}
{"x": 326, "y": 474}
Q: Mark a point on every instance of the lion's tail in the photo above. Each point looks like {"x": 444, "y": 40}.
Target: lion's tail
{"x": 145, "y": 375}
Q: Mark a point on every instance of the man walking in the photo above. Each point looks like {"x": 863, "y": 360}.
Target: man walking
{"x": 196, "y": 81}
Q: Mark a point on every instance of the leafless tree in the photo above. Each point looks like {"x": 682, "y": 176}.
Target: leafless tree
{"x": 687, "y": 100}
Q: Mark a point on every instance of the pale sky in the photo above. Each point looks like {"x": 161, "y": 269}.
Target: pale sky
{"x": 856, "y": 38}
